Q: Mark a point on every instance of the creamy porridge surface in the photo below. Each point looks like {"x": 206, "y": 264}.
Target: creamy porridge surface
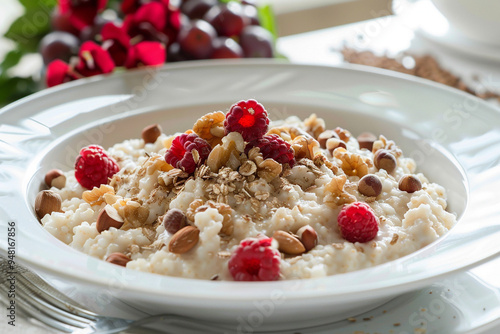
{"x": 237, "y": 194}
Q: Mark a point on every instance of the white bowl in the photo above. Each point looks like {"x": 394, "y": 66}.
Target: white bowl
{"x": 478, "y": 20}
{"x": 454, "y": 137}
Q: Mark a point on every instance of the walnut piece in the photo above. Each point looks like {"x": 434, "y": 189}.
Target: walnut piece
{"x": 305, "y": 147}
{"x": 288, "y": 133}
{"x": 225, "y": 210}
{"x": 227, "y": 153}
{"x": 314, "y": 125}
{"x": 156, "y": 163}
{"x": 343, "y": 134}
{"x": 352, "y": 163}
{"x": 267, "y": 169}
{"x": 384, "y": 143}
{"x": 335, "y": 194}
{"x": 133, "y": 213}
{"x": 211, "y": 127}
{"x": 96, "y": 195}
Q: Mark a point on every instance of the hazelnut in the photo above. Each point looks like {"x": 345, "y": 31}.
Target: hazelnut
{"x": 119, "y": 259}
{"x": 409, "y": 183}
{"x": 384, "y": 159}
{"x": 108, "y": 217}
{"x": 47, "y": 202}
{"x": 370, "y": 185}
{"x": 151, "y": 133}
{"x": 55, "y": 178}
{"x": 174, "y": 220}
{"x": 308, "y": 237}
{"x": 366, "y": 140}
{"x": 325, "y": 135}
{"x": 334, "y": 143}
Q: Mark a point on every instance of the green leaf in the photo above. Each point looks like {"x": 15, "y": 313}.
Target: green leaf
{"x": 267, "y": 20}
{"x": 28, "y": 29}
{"x": 12, "y": 89}
{"x": 35, "y": 4}
{"x": 11, "y": 59}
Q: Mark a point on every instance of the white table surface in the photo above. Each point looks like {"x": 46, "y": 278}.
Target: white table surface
{"x": 471, "y": 296}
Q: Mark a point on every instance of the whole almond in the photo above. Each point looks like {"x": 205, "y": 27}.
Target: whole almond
{"x": 184, "y": 239}
{"x": 118, "y": 259}
{"x": 108, "y": 217}
{"x": 55, "y": 178}
{"x": 288, "y": 243}
{"x": 151, "y": 133}
{"x": 46, "y": 202}
{"x": 308, "y": 237}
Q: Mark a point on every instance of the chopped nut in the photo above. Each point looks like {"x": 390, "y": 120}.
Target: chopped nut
{"x": 343, "y": 134}
{"x": 324, "y": 136}
{"x": 314, "y": 125}
{"x": 352, "y": 163}
{"x": 389, "y": 145}
{"x": 334, "y": 143}
{"x": 225, "y": 210}
{"x": 394, "y": 239}
{"x": 288, "y": 133}
{"x": 230, "y": 149}
{"x": 96, "y": 195}
{"x": 211, "y": 127}
{"x": 191, "y": 211}
{"x": 305, "y": 147}
{"x": 335, "y": 193}
{"x": 46, "y": 202}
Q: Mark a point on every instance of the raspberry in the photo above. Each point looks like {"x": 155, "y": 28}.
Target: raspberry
{"x": 272, "y": 146}
{"x": 187, "y": 152}
{"x": 248, "y": 118}
{"x": 255, "y": 260}
{"x": 357, "y": 222}
{"x": 94, "y": 167}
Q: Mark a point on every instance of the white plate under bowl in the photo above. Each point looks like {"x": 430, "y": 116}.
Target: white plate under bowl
{"x": 454, "y": 137}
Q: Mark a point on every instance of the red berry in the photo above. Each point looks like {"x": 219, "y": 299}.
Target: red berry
{"x": 94, "y": 167}
{"x": 357, "y": 222}
{"x": 273, "y": 147}
{"x": 187, "y": 152}
{"x": 255, "y": 260}
{"x": 248, "y": 118}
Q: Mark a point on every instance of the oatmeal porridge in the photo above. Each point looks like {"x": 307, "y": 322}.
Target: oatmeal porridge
{"x": 239, "y": 198}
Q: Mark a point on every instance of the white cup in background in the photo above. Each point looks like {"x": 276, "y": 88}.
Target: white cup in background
{"x": 478, "y": 20}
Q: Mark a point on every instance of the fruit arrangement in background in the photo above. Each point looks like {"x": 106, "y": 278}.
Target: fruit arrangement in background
{"x": 93, "y": 37}
{"x": 87, "y": 37}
